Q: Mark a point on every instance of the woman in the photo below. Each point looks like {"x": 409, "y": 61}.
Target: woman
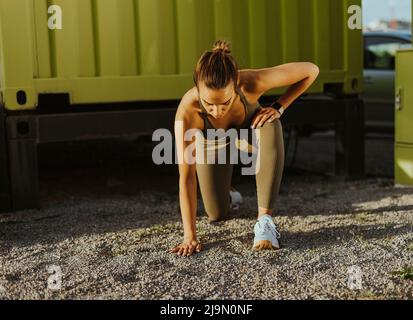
{"x": 223, "y": 98}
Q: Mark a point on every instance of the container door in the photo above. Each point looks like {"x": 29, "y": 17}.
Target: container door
{"x": 404, "y": 97}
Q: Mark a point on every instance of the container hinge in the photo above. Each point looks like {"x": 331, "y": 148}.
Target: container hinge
{"x": 398, "y": 99}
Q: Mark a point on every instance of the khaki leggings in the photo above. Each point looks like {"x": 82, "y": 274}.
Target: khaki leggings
{"x": 215, "y": 179}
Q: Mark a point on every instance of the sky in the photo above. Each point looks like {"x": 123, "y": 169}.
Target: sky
{"x": 381, "y": 9}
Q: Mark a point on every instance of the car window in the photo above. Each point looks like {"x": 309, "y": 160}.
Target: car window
{"x": 380, "y": 52}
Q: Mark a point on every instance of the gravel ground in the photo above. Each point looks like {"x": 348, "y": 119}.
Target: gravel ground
{"x": 109, "y": 216}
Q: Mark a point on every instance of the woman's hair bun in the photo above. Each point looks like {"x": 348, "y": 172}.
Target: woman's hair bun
{"x": 221, "y": 46}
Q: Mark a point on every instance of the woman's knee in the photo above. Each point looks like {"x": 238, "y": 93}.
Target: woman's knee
{"x": 273, "y": 133}
{"x": 216, "y": 216}
{"x": 216, "y": 205}
{"x": 275, "y": 125}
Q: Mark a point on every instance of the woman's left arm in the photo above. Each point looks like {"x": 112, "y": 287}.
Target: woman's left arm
{"x": 299, "y": 76}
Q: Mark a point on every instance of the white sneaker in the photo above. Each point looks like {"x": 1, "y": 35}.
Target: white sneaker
{"x": 266, "y": 231}
{"x": 236, "y": 199}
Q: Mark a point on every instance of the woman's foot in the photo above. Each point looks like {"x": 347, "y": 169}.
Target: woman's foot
{"x": 266, "y": 234}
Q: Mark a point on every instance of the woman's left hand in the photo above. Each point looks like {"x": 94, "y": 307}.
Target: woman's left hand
{"x": 264, "y": 115}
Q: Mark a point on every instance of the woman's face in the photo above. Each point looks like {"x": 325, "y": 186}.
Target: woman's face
{"x": 217, "y": 102}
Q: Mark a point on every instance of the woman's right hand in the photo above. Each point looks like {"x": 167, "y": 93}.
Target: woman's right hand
{"x": 187, "y": 248}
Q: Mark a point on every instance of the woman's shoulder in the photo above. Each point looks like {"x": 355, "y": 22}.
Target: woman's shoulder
{"x": 189, "y": 109}
{"x": 190, "y": 101}
{"x": 248, "y": 80}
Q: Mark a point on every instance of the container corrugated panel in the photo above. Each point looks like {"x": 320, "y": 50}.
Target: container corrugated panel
{"x": 139, "y": 50}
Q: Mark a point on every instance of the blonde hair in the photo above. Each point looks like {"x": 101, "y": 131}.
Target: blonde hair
{"x": 217, "y": 68}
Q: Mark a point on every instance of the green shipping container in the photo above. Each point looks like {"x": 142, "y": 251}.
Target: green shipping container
{"x": 143, "y": 50}
{"x": 404, "y": 118}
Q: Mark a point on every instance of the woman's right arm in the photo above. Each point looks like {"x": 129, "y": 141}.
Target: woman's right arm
{"x": 187, "y": 185}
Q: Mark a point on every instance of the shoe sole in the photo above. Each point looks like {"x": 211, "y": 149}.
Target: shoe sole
{"x": 266, "y": 245}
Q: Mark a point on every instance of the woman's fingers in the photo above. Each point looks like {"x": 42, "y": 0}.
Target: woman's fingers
{"x": 257, "y": 118}
{"x": 174, "y": 249}
{"x": 263, "y": 120}
{"x": 263, "y": 116}
{"x": 191, "y": 250}
{"x": 256, "y": 121}
{"x": 275, "y": 116}
{"x": 186, "y": 249}
{"x": 179, "y": 250}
